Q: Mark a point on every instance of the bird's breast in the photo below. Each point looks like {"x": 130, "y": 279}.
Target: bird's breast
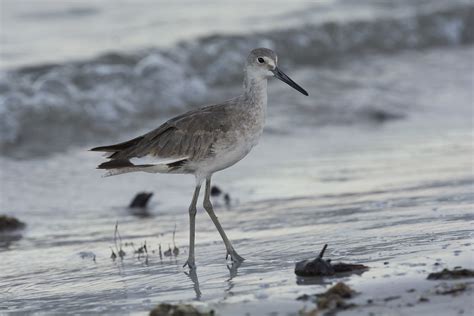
{"x": 232, "y": 146}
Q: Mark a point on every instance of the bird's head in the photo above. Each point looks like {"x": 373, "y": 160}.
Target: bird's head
{"x": 262, "y": 63}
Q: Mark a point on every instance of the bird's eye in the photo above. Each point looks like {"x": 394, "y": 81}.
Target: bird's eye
{"x": 260, "y": 60}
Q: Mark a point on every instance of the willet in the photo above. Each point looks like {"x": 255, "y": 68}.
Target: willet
{"x": 203, "y": 141}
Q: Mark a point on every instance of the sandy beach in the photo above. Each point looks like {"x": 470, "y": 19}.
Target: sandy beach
{"x": 377, "y": 164}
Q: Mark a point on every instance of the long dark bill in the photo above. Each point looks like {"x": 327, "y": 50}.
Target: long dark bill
{"x": 281, "y": 75}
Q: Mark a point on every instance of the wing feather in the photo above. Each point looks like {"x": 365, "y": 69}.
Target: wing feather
{"x": 189, "y": 135}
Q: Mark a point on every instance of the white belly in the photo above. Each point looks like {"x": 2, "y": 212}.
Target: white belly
{"x": 227, "y": 155}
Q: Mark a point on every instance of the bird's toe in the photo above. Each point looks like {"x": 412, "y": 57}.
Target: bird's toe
{"x": 190, "y": 264}
{"x": 234, "y": 256}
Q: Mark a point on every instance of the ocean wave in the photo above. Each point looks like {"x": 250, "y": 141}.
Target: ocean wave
{"x": 324, "y": 43}
{"x": 50, "y": 107}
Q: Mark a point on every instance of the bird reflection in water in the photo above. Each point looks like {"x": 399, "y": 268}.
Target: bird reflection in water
{"x": 194, "y": 278}
{"x": 233, "y": 269}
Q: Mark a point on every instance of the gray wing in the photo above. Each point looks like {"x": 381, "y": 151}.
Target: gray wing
{"x": 189, "y": 135}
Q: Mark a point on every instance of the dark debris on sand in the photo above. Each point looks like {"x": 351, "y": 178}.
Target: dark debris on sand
{"x": 451, "y": 274}
{"x": 178, "y": 310}
{"x": 454, "y": 289}
{"x": 216, "y": 192}
{"x": 8, "y": 223}
{"x": 141, "y": 200}
{"x": 321, "y": 267}
{"x": 334, "y": 298}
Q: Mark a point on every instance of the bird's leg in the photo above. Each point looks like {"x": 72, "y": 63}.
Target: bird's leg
{"x": 192, "y": 224}
{"x": 208, "y": 207}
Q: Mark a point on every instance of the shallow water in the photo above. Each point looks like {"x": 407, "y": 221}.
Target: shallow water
{"x": 376, "y": 212}
{"x": 377, "y": 163}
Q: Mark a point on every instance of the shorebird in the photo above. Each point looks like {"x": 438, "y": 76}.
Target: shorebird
{"x": 205, "y": 140}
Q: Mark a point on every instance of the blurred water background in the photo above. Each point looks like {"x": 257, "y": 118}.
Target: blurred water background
{"x": 76, "y": 71}
{"x": 377, "y": 161}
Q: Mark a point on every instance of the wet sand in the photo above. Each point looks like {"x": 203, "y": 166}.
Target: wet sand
{"x": 415, "y": 213}
{"x": 400, "y": 193}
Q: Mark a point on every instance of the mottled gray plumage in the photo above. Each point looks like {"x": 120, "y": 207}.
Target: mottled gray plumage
{"x": 205, "y": 140}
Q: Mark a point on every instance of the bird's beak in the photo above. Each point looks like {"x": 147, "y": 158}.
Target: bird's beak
{"x": 281, "y": 75}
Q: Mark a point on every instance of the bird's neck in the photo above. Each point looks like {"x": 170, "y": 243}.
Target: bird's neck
{"x": 255, "y": 90}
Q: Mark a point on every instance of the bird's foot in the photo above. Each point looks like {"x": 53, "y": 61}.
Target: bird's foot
{"x": 234, "y": 256}
{"x": 190, "y": 263}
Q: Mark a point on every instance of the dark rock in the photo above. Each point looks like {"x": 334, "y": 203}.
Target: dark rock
{"x": 451, "y": 274}
{"x": 141, "y": 200}
{"x": 320, "y": 267}
{"x": 316, "y": 267}
{"x": 215, "y": 191}
{"x": 8, "y": 223}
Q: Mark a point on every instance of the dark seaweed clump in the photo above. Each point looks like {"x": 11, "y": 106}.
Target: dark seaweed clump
{"x": 451, "y": 274}
{"x": 334, "y": 298}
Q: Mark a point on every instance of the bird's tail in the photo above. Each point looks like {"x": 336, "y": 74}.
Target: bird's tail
{"x": 159, "y": 168}
{"x": 120, "y": 166}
